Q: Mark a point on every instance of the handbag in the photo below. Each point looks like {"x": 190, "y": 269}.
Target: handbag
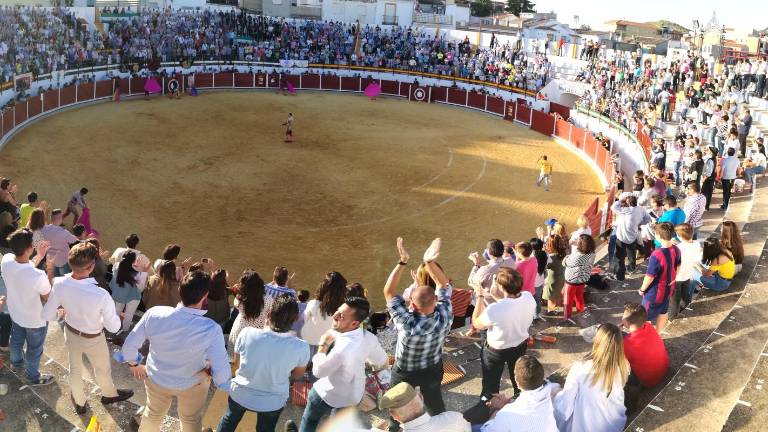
{"x": 376, "y": 384}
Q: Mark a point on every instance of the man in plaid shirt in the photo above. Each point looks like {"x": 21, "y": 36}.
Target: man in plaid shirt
{"x": 421, "y": 330}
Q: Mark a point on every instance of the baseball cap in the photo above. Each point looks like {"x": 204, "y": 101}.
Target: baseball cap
{"x": 551, "y": 221}
{"x": 398, "y": 396}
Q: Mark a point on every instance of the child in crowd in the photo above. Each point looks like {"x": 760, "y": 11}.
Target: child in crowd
{"x": 527, "y": 266}
{"x": 541, "y": 268}
{"x": 583, "y": 223}
{"x": 645, "y": 352}
{"x": 303, "y": 298}
{"x": 690, "y": 255}
{"x": 659, "y": 281}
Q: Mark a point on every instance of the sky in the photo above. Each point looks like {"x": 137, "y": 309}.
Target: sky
{"x": 737, "y": 14}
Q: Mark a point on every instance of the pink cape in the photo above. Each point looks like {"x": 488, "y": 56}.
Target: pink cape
{"x": 289, "y": 87}
{"x": 151, "y": 86}
{"x": 372, "y": 90}
{"x": 85, "y": 220}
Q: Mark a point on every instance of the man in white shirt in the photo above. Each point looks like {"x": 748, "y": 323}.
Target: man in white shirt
{"x": 756, "y": 165}
{"x": 729, "y": 164}
{"x": 690, "y": 255}
{"x": 532, "y": 411}
{"x": 88, "y": 310}
{"x": 339, "y": 364}
{"x": 59, "y": 239}
{"x": 506, "y": 313}
{"x": 629, "y": 217}
{"x": 406, "y": 405}
{"x": 26, "y": 287}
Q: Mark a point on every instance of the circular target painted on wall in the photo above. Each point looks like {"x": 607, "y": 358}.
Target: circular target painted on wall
{"x": 419, "y": 94}
{"x": 173, "y": 85}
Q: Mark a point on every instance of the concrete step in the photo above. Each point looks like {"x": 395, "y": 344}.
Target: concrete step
{"x": 751, "y": 409}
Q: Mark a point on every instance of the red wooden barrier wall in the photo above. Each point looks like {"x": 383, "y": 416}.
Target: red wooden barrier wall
{"x": 244, "y": 80}
{"x": 67, "y": 96}
{"x": 563, "y": 110}
{"x": 35, "y": 106}
{"x": 390, "y": 87}
{"x": 523, "y": 112}
{"x": 85, "y": 92}
{"x": 103, "y": 88}
{"x": 542, "y": 122}
{"x": 563, "y": 130}
{"x": 495, "y": 105}
{"x": 310, "y": 81}
{"x": 21, "y": 112}
{"x": 456, "y": 96}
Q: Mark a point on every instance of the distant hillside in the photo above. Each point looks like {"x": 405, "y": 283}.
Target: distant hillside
{"x": 670, "y": 25}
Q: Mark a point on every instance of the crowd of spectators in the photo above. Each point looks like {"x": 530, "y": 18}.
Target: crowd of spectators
{"x": 255, "y": 339}
{"x": 45, "y": 40}
{"x": 330, "y": 341}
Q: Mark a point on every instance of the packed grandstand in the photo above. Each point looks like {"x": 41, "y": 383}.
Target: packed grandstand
{"x": 662, "y": 244}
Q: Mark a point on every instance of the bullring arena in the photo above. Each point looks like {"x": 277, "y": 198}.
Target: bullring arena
{"x": 444, "y": 149}
{"x": 214, "y": 169}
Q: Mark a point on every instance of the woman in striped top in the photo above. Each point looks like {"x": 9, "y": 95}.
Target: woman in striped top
{"x": 578, "y": 268}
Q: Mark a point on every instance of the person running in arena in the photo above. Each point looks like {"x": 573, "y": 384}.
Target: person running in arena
{"x": 545, "y": 173}
{"x": 76, "y": 204}
{"x": 289, "y": 128}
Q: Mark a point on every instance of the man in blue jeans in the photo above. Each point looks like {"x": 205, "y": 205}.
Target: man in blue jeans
{"x": 27, "y": 288}
{"x": 268, "y": 358}
{"x": 339, "y": 364}
{"x": 421, "y": 329}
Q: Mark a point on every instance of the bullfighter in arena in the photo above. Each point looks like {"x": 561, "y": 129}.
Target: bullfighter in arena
{"x": 289, "y": 128}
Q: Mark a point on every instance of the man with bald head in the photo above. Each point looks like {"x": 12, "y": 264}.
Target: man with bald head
{"x": 421, "y": 330}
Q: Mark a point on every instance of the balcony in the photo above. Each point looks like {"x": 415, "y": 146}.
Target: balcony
{"x": 389, "y": 19}
{"x": 431, "y": 18}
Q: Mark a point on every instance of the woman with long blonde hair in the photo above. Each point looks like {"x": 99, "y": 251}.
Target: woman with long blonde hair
{"x": 593, "y": 396}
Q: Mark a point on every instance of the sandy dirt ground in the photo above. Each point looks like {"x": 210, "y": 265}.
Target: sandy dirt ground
{"x": 213, "y": 174}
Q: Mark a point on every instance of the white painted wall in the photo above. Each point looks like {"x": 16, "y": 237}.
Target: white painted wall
{"x": 460, "y": 13}
{"x": 349, "y": 11}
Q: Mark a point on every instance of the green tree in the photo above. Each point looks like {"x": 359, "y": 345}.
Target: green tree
{"x": 520, "y": 6}
{"x": 481, "y": 8}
